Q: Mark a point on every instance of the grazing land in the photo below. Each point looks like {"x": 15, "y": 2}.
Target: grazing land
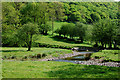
{"x": 20, "y": 53}
{"x": 62, "y": 42}
{"x": 108, "y": 55}
{"x": 36, "y": 36}
{"x": 52, "y": 69}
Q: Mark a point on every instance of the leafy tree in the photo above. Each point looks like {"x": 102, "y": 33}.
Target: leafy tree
{"x": 71, "y": 30}
{"x": 34, "y": 12}
{"x": 10, "y": 22}
{"x": 64, "y": 29}
{"x": 80, "y": 30}
{"x": 55, "y": 12}
{"x": 26, "y": 32}
{"x": 95, "y": 17}
{"x": 88, "y": 32}
{"x": 44, "y": 28}
{"x": 58, "y": 31}
{"x": 104, "y": 32}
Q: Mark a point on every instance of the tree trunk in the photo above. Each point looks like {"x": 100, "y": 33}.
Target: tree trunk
{"x": 45, "y": 32}
{"x": 29, "y": 48}
{"x": 110, "y": 45}
{"x": 105, "y": 45}
{"x": 30, "y": 43}
{"x": 102, "y": 44}
{"x": 115, "y": 45}
{"x": 59, "y": 34}
{"x": 64, "y": 35}
{"x": 81, "y": 38}
{"x": 96, "y": 44}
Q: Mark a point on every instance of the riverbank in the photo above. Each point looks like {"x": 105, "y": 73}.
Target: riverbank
{"x": 74, "y": 53}
{"x": 89, "y": 62}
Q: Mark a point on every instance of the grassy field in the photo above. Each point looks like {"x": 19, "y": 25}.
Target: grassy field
{"x": 0, "y": 63}
{"x": 62, "y": 42}
{"x": 56, "y": 41}
{"x": 20, "y": 53}
{"x": 109, "y": 55}
{"x": 51, "y": 69}
{"x": 57, "y": 25}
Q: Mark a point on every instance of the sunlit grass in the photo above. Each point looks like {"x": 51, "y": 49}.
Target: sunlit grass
{"x": 49, "y": 40}
{"x": 22, "y": 52}
{"x": 108, "y": 54}
{"x": 51, "y": 69}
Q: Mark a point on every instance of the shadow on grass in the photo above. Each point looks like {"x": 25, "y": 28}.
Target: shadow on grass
{"x": 83, "y": 71}
{"x": 13, "y": 51}
{"x": 62, "y": 39}
{"x": 67, "y": 40}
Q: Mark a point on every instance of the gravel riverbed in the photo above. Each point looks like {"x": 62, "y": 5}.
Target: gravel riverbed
{"x": 89, "y": 62}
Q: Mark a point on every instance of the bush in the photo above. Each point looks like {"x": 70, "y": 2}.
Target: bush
{"x": 44, "y": 55}
{"x": 39, "y": 55}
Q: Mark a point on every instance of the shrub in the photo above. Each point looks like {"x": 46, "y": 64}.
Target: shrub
{"x": 38, "y": 55}
{"x": 44, "y": 55}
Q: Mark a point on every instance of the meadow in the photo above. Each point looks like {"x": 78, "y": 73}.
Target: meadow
{"x": 20, "y": 63}
{"x": 52, "y": 69}
{"x": 18, "y": 53}
{"x": 62, "y": 42}
{"x": 36, "y": 31}
{"x": 108, "y": 55}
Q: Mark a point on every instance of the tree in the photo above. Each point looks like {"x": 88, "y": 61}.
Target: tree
{"x": 71, "y": 31}
{"x": 34, "y": 12}
{"x": 44, "y": 28}
{"x": 10, "y": 20}
{"x": 58, "y": 31}
{"x": 26, "y": 32}
{"x": 80, "y": 30}
{"x": 55, "y": 12}
{"x": 88, "y": 32}
{"x": 104, "y": 32}
{"x": 64, "y": 29}
{"x": 95, "y": 17}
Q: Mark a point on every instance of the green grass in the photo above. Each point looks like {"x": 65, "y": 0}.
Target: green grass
{"x": 51, "y": 69}
{"x": 108, "y": 55}
{"x": 53, "y": 41}
{"x": 62, "y": 42}
{"x": 0, "y": 63}
{"x": 22, "y": 52}
{"x": 57, "y": 25}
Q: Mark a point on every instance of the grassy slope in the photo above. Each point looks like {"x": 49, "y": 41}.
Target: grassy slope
{"x": 51, "y": 69}
{"x": 52, "y": 41}
{"x": 56, "y": 24}
{"x": 108, "y": 54}
{"x": 21, "y": 52}
{"x": 49, "y": 40}
{"x": 0, "y": 63}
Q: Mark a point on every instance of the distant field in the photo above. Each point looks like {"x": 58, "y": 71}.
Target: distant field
{"x": 56, "y": 24}
{"x": 53, "y": 41}
{"x": 63, "y": 42}
{"x": 19, "y": 53}
{"x": 109, "y": 55}
{"x": 51, "y": 69}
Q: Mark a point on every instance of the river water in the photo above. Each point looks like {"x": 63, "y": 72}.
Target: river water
{"x": 83, "y": 56}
